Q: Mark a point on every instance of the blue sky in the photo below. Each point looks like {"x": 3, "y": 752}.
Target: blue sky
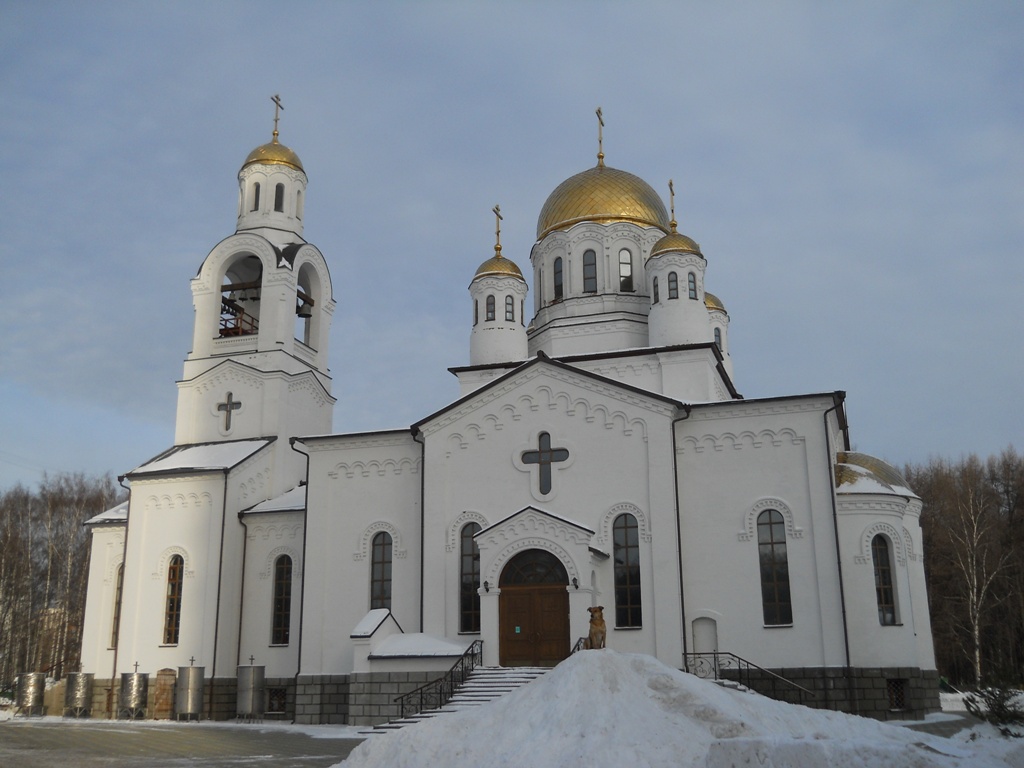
{"x": 853, "y": 173}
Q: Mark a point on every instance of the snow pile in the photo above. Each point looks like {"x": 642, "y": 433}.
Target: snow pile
{"x": 603, "y": 709}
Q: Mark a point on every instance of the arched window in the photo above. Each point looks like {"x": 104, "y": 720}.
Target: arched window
{"x": 380, "y": 572}
{"x": 625, "y": 270}
{"x": 718, "y": 337}
{"x": 490, "y": 308}
{"x": 771, "y": 549}
{"x": 522, "y": 311}
{"x": 654, "y": 291}
{"x": 279, "y": 198}
{"x": 884, "y": 593}
{"x": 673, "y": 286}
{"x": 589, "y": 272}
{"x": 510, "y": 309}
{"x": 256, "y": 196}
{"x": 298, "y": 204}
{"x": 282, "y": 621}
{"x": 172, "y": 610}
{"x": 626, "y": 541}
{"x": 476, "y": 311}
{"x": 558, "y": 278}
{"x": 469, "y": 579}
{"x": 691, "y": 281}
{"x": 118, "y": 590}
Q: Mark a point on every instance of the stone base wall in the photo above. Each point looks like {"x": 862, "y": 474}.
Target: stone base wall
{"x": 884, "y": 693}
{"x": 372, "y": 694}
{"x": 322, "y": 699}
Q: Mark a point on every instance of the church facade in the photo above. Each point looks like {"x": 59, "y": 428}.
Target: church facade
{"x": 598, "y": 453}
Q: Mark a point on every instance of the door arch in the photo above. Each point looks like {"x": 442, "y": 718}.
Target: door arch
{"x": 533, "y": 611}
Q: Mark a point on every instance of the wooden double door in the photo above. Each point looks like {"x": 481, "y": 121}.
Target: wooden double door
{"x": 533, "y": 611}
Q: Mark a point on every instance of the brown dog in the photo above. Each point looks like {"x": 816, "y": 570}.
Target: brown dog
{"x": 597, "y": 628}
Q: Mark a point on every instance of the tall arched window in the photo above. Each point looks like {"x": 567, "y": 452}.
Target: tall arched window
{"x": 298, "y": 204}
{"x": 626, "y": 542}
{"x": 691, "y": 281}
{"x": 654, "y": 291}
{"x": 282, "y": 621}
{"x": 776, "y": 601}
{"x": 490, "y": 308}
{"x": 172, "y": 609}
{"x": 558, "y": 278}
{"x": 256, "y": 196}
{"x": 469, "y": 579}
{"x": 510, "y": 309}
{"x": 625, "y": 270}
{"x": 118, "y": 590}
{"x": 476, "y": 311}
{"x": 884, "y": 593}
{"x": 380, "y": 571}
{"x": 522, "y": 311}
{"x": 718, "y": 337}
{"x": 589, "y": 272}
{"x": 673, "y": 285}
{"x": 279, "y": 198}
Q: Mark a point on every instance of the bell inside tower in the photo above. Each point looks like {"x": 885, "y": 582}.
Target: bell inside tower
{"x": 240, "y": 298}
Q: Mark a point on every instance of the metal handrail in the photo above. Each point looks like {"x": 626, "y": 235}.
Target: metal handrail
{"x": 709, "y": 666}
{"x": 437, "y": 693}
{"x": 580, "y": 645}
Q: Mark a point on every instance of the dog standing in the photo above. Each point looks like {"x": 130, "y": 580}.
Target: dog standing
{"x": 598, "y": 630}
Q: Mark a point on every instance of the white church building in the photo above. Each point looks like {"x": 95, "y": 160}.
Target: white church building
{"x": 597, "y": 453}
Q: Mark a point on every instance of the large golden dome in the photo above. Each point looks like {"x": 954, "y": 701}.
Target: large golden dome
{"x": 604, "y": 195}
{"x": 274, "y": 153}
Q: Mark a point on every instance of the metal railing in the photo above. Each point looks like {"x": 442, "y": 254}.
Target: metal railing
{"x": 580, "y": 645}
{"x": 728, "y": 666}
{"x": 437, "y": 693}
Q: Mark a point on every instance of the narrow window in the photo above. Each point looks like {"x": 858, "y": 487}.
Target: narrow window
{"x": 256, "y": 196}
{"x": 490, "y": 308}
{"x": 625, "y": 270}
{"x": 282, "y": 600}
{"x": 883, "y": 581}
{"x": 298, "y": 204}
{"x": 654, "y": 291}
{"x": 589, "y": 272}
{"x": 380, "y": 572}
{"x": 469, "y": 579}
{"x": 476, "y": 311}
{"x": 673, "y": 286}
{"x": 510, "y": 309}
{"x": 522, "y": 311}
{"x": 279, "y": 198}
{"x": 118, "y": 589}
{"x": 691, "y": 281}
{"x": 771, "y": 547}
{"x": 626, "y": 540}
{"x": 718, "y": 337}
{"x": 558, "y": 279}
{"x": 172, "y": 611}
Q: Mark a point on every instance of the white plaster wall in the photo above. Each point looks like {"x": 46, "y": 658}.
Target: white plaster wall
{"x": 499, "y": 340}
{"x": 106, "y": 554}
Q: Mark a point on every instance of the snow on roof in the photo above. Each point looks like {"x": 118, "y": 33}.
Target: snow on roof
{"x": 369, "y": 623}
{"x": 419, "y": 644}
{"x": 208, "y": 456}
{"x": 289, "y": 501}
{"x": 603, "y": 709}
{"x": 860, "y": 473}
{"x": 116, "y": 514}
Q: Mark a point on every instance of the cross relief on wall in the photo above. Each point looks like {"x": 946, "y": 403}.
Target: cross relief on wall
{"x": 544, "y": 457}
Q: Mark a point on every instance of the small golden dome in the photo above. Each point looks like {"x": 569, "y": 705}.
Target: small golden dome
{"x": 604, "y": 195}
{"x": 274, "y": 153}
{"x": 852, "y": 466}
{"x": 499, "y": 266}
{"x": 677, "y": 242}
{"x": 712, "y": 302}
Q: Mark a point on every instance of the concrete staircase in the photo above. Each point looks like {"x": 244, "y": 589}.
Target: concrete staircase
{"x": 484, "y": 684}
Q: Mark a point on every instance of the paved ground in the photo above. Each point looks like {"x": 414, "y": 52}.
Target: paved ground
{"x": 51, "y": 742}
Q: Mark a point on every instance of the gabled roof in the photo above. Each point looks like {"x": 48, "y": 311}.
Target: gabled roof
{"x": 534, "y": 510}
{"x": 289, "y": 501}
{"x": 201, "y": 457}
{"x": 113, "y": 516}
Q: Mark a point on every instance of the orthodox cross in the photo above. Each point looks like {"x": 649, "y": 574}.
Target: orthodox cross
{"x": 497, "y": 229}
{"x": 252, "y": 660}
{"x": 136, "y": 667}
{"x": 227, "y": 407}
{"x": 544, "y": 457}
{"x": 600, "y": 137}
{"x": 277, "y": 109}
{"x": 672, "y": 203}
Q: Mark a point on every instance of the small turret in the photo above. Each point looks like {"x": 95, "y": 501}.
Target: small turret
{"x": 498, "y": 291}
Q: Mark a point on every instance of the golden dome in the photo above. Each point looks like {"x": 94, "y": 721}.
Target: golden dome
{"x": 675, "y": 241}
{"x": 274, "y": 153}
{"x": 712, "y": 302}
{"x": 604, "y": 195}
{"x": 498, "y": 266}
{"x": 852, "y": 466}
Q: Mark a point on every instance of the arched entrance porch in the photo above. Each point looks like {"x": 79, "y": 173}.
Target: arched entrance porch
{"x": 533, "y": 610}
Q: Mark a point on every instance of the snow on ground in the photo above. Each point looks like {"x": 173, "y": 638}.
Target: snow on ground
{"x": 603, "y": 709}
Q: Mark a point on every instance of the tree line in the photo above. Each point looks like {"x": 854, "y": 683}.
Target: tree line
{"x": 972, "y": 522}
{"x": 44, "y": 564}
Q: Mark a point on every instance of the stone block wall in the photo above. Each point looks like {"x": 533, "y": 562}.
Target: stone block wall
{"x": 372, "y": 694}
{"x": 884, "y": 693}
{"x": 322, "y": 699}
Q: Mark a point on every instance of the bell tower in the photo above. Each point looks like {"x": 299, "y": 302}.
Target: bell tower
{"x": 263, "y": 307}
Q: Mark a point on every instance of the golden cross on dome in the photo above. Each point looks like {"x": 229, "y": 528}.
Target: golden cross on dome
{"x": 277, "y": 110}
{"x": 600, "y": 137}
{"x": 672, "y": 203}
{"x": 497, "y": 229}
